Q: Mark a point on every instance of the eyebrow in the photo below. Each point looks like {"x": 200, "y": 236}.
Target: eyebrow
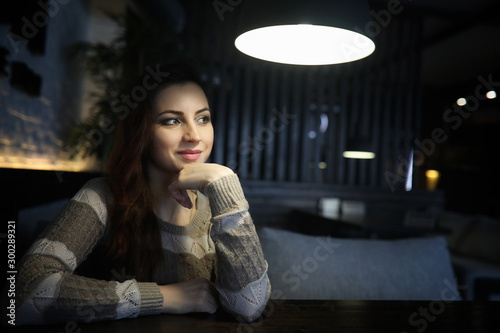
{"x": 180, "y": 113}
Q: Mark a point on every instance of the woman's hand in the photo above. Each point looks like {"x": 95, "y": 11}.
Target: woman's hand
{"x": 195, "y": 176}
{"x": 198, "y": 295}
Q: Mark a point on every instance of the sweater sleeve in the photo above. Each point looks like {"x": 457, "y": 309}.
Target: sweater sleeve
{"x": 49, "y": 292}
{"x": 241, "y": 274}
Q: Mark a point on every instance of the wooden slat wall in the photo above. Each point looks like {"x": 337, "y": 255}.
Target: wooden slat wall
{"x": 378, "y": 96}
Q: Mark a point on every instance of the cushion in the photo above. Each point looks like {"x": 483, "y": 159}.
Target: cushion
{"x": 320, "y": 267}
{"x": 458, "y": 225}
{"x": 473, "y": 236}
{"x": 481, "y": 240}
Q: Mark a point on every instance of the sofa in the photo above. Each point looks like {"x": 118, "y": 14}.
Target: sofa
{"x": 474, "y": 245}
{"x": 321, "y": 267}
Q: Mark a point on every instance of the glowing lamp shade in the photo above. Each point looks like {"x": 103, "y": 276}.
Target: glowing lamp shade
{"x": 304, "y": 32}
{"x": 305, "y": 44}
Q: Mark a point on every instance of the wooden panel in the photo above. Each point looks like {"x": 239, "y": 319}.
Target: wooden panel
{"x": 294, "y": 136}
{"x": 258, "y": 113}
{"x": 245, "y": 125}
{"x": 267, "y": 134}
{"x": 281, "y": 127}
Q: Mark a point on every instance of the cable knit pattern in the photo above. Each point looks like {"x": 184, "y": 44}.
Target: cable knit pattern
{"x": 45, "y": 247}
{"x": 220, "y": 244}
{"x": 129, "y": 293}
{"x": 199, "y": 247}
{"x": 250, "y": 301}
{"x": 96, "y": 194}
{"x": 226, "y": 196}
{"x": 229, "y": 222}
{"x": 31, "y": 311}
{"x": 241, "y": 268}
{"x": 148, "y": 294}
{"x": 57, "y": 252}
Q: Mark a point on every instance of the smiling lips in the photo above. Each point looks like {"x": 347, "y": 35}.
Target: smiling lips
{"x": 190, "y": 155}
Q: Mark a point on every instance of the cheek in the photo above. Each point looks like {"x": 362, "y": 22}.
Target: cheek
{"x": 160, "y": 144}
{"x": 209, "y": 138}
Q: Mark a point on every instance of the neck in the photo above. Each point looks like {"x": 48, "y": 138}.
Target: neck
{"x": 158, "y": 182}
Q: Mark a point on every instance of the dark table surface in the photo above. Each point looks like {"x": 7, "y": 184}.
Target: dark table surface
{"x": 314, "y": 223}
{"x": 315, "y": 316}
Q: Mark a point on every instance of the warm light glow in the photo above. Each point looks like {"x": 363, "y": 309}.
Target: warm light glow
{"x": 432, "y": 179}
{"x": 358, "y": 154}
{"x": 304, "y": 44}
{"x": 42, "y": 163}
{"x": 491, "y": 94}
{"x": 461, "y": 101}
{"x": 322, "y": 165}
{"x": 432, "y": 174}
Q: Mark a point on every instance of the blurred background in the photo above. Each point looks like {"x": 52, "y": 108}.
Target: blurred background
{"x": 60, "y": 64}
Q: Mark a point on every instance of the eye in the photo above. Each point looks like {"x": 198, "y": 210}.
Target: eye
{"x": 170, "y": 122}
{"x": 203, "y": 120}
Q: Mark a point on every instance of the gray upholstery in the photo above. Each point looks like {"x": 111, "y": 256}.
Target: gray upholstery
{"x": 309, "y": 267}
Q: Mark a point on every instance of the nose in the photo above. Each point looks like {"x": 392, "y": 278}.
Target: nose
{"x": 191, "y": 133}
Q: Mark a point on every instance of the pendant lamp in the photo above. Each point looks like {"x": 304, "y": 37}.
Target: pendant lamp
{"x": 318, "y": 32}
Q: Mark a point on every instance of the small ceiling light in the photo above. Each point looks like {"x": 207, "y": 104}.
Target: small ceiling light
{"x": 305, "y": 32}
{"x": 363, "y": 155}
{"x": 491, "y": 94}
{"x": 461, "y": 101}
{"x": 359, "y": 149}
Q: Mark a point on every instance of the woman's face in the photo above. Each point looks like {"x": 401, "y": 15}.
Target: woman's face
{"x": 183, "y": 131}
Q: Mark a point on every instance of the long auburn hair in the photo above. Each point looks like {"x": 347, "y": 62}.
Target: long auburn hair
{"x": 132, "y": 240}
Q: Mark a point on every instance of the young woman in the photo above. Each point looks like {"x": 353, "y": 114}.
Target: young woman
{"x": 176, "y": 229}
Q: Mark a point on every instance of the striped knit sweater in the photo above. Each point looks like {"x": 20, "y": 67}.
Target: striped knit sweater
{"x": 220, "y": 244}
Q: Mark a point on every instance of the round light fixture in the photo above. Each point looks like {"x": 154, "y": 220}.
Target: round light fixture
{"x": 491, "y": 94}
{"x": 305, "y": 44}
{"x": 315, "y": 32}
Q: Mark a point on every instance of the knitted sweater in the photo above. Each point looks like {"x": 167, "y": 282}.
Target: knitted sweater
{"x": 220, "y": 244}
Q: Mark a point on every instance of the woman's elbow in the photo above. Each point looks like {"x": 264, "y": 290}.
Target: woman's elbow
{"x": 249, "y": 304}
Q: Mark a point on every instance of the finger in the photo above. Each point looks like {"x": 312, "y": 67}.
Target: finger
{"x": 212, "y": 304}
{"x": 181, "y": 196}
{"x": 213, "y": 291}
{"x": 213, "y": 308}
{"x": 215, "y": 297}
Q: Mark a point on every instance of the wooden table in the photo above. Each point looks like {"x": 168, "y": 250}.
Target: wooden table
{"x": 316, "y": 316}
